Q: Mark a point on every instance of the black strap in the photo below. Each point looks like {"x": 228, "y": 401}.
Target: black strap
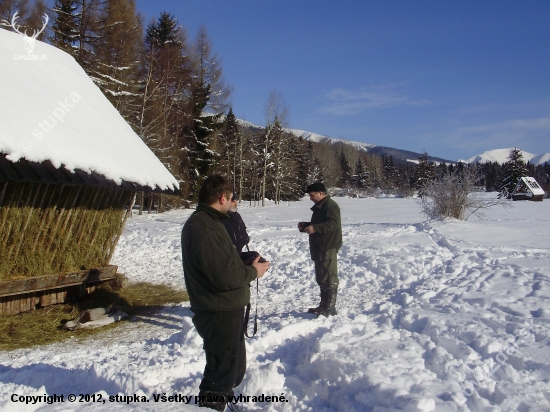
{"x": 247, "y": 315}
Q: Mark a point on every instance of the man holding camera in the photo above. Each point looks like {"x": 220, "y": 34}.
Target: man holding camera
{"x": 217, "y": 282}
{"x": 235, "y": 225}
{"x": 325, "y": 239}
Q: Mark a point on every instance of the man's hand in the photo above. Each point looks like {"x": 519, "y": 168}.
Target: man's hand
{"x": 261, "y": 268}
{"x": 302, "y": 226}
{"x": 309, "y": 230}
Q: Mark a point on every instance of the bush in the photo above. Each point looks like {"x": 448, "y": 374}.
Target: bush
{"x": 455, "y": 195}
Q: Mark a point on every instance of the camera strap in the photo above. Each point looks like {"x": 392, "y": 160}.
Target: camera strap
{"x": 247, "y": 315}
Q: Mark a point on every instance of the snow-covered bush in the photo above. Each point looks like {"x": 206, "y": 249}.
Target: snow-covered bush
{"x": 455, "y": 195}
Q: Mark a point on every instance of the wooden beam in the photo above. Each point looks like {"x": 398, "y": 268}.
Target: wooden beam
{"x": 3, "y": 192}
{"x": 121, "y": 228}
{"x": 29, "y": 215}
{"x": 39, "y": 283}
{"x": 47, "y": 216}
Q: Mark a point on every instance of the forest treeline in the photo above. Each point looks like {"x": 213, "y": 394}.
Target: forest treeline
{"x": 171, "y": 90}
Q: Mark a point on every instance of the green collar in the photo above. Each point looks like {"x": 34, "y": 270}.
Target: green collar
{"x": 216, "y": 214}
{"x": 320, "y": 204}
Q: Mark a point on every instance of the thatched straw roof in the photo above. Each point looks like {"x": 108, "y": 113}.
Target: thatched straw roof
{"x": 54, "y": 117}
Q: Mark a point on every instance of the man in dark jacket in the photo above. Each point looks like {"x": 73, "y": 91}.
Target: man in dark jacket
{"x": 325, "y": 239}
{"x": 217, "y": 282}
{"x": 235, "y": 225}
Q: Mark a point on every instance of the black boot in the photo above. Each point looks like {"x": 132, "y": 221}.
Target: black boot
{"x": 214, "y": 400}
{"x": 330, "y": 309}
{"x": 322, "y": 305}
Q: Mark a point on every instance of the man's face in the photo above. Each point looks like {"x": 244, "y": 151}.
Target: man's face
{"x": 227, "y": 204}
{"x": 316, "y": 197}
{"x": 234, "y": 205}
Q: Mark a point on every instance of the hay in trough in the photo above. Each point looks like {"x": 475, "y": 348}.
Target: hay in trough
{"x": 55, "y": 228}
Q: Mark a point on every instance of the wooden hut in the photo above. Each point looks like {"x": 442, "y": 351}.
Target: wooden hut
{"x": 528, "y": 189}
{"x": 69, "y": 170}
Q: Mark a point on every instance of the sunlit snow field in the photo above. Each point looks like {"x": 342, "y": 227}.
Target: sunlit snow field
{"x": 433, "y": 316}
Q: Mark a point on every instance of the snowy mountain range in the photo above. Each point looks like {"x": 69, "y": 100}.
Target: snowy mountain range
{"x": 501, "y": 155}
{"x": 399, "y": 155}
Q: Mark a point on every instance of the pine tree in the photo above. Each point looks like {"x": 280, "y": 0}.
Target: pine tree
{"x": 165, "y": 101}
{"x": 345, "y": 169}
{"x": 391, "y": 175}
{"x": 228, "y": 139}
{"x": 361, "y": 176}
{"x": 64, "y": 27}
{"x": 117, "y": 70}
{"x": 424, "y": 173}
{"x": 302, "y": 152}
{"x": 202, "y": 154}
{"x": 513, "y": 170}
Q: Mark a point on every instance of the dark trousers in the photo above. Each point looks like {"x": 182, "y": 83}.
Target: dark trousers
{"x": 326, "y": 269}
{"x": 223, "y": 336}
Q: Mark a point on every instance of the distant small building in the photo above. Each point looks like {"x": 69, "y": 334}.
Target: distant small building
{"x": 528, "y": 189}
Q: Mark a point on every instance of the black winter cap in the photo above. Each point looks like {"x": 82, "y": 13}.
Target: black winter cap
{"x": 316, "y": 187}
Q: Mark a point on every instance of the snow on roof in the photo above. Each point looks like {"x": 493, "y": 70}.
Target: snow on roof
{"x": 532, "y": 185}
{"x": 51, "y": 110}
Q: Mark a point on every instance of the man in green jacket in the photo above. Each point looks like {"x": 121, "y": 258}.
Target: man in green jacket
{"x": 325, "y": 239}
{"x": 218, "y": 284}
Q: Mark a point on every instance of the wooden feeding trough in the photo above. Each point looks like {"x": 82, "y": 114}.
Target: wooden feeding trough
{"x": 528, "y": 189}
{"x": 70, "y": 167}
{"x": 58, "y": 232}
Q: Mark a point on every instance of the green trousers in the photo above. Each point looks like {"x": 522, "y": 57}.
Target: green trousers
{"x": 326, "y": 269}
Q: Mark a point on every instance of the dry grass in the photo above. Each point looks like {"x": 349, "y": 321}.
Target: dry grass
{"x": 43, "y": 326}
{"x": 46, "y": 229}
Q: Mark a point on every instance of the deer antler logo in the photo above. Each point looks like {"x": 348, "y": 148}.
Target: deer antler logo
{"x": 29, "y": 40}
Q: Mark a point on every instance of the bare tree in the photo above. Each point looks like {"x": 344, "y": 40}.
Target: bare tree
{"x": 456, "y": 195}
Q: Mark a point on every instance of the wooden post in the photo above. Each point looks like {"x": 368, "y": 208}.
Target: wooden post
{"x": 132, "y": 203}
{"x": 76, "y": 213}
{"x": 150, "y": 203}
{"x": 5, "y": 210}
{"x": 20, "y": 234}
{"x": 58, "y": 221}
{"x": 23, "y": 231}
{"x": 107, "y": 200}
{"x": 52, "y": 207}
{"x": 5, "y": 242}
{"x": 3, "y": 192}
{"x": 90, "y": 225}
{"x": 82, "y": 223}
{"x": 121, "y": 228}
{"x": 70, "y": 217}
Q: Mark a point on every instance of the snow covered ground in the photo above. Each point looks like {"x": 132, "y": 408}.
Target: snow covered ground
{"x": 444, "y": 316}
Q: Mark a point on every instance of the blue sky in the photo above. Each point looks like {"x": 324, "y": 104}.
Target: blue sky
{"x": 455, "y": 78}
